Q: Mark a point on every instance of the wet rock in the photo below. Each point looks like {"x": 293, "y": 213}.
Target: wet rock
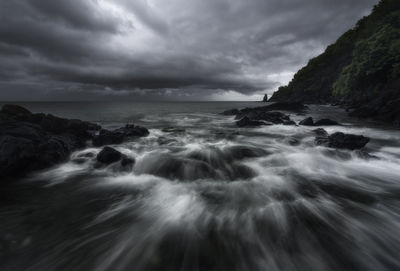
{"x": 127, "y": 162}
{"x": 321, "y": 136}
{"x": 176, "y": 168}
{"x": 131, "y": 130}
{"x": 289, "y": 122}
{"x": 246, "y": 122}
{"x": 242, "y": 152}
{"x": 31, "y": 142}
{"x": 325, "y": 122}
{"x": 273, "y": 117}
{"x": 307, "y": 122}
{"x": 347, "y": 141}
{"x": 365, "y": 155}
{"x": 79, "y": 161}
{"x": 320, "y": 132}
{"x": 14, "y": 110}
{"x": 108, "y": 156}
{"x": 231, "y": 112}
{"x": 106, "y": 137}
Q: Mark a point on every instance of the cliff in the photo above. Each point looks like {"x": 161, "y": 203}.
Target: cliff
{"x": 360, "y": 70}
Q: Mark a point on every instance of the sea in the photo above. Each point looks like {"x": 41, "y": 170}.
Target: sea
{"x": 204, "y": 194}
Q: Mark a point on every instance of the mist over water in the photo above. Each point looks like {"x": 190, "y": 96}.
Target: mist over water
{"x": 207, "y": 195}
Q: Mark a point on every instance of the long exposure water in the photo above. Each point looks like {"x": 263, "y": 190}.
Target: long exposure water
{"x": 208, "y": 195}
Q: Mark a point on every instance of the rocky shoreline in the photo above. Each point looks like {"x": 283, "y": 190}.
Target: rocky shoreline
{"x": 272, "y": 114}
{"x": 30, "y": 142}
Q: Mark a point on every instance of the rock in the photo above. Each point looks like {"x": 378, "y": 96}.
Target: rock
{"x": 106, "y": 137}
{"x": 108, "y": 156}
{"x": 271, "y": 117}
{"x": 322, "y": 136}
{"x": 231, "y": 112}
{"x": 307, "y": 122}
{"x": 31, "y": 142}
{"x": 320, "y": 132}
{"x": 325, "y": 122}
{"x": 245, "y": 122}
{"x": 239, "y": 152}
{"x": 347, "y": 141}
{"x": 131, "y": 130}
{"x": 274, "y": 117}
{"x": 11, "y": 109}
{"x": 127, "y": 162}
{"x": 289, "y": 122}
{"x": 286, "y": 106}
{"x": 265, "y": 99}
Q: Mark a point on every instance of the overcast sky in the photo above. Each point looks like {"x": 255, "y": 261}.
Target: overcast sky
{"x": 163, "y": 49}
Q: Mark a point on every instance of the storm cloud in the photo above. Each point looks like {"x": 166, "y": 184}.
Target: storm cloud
{"x": 167, "y": 50}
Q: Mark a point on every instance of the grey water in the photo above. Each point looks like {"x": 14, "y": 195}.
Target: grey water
{"x": 207, "y": 195}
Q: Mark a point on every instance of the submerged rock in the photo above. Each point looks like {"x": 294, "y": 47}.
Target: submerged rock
{"x": 231, "y": 112}
{"x": 307, "y": 122}
{"x": 108, "y": 156}
{"x": 325, "y": 122}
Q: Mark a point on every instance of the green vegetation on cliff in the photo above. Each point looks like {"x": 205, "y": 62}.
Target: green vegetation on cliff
{"x": 362, "y": 67}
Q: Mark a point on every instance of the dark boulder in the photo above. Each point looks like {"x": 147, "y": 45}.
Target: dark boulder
{"x": 231, "y": 112}
{"x": 127, "y": 162}
{"x": 265, "y": 99}
{"x": 106, "y": 137}
{"x": 307, "y": 122}
{"x": 347, "y": 141}
{"x": 131, "y": 130}
{"x": 246, "y": 122}
{"x": 31, "y": 142}
{"x": 325, "y": 122}
{"x": 289, "y": 122}
{"x": 108, "y": 156}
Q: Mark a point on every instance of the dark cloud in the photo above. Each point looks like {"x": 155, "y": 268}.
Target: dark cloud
{"x": 156, "y": 49}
